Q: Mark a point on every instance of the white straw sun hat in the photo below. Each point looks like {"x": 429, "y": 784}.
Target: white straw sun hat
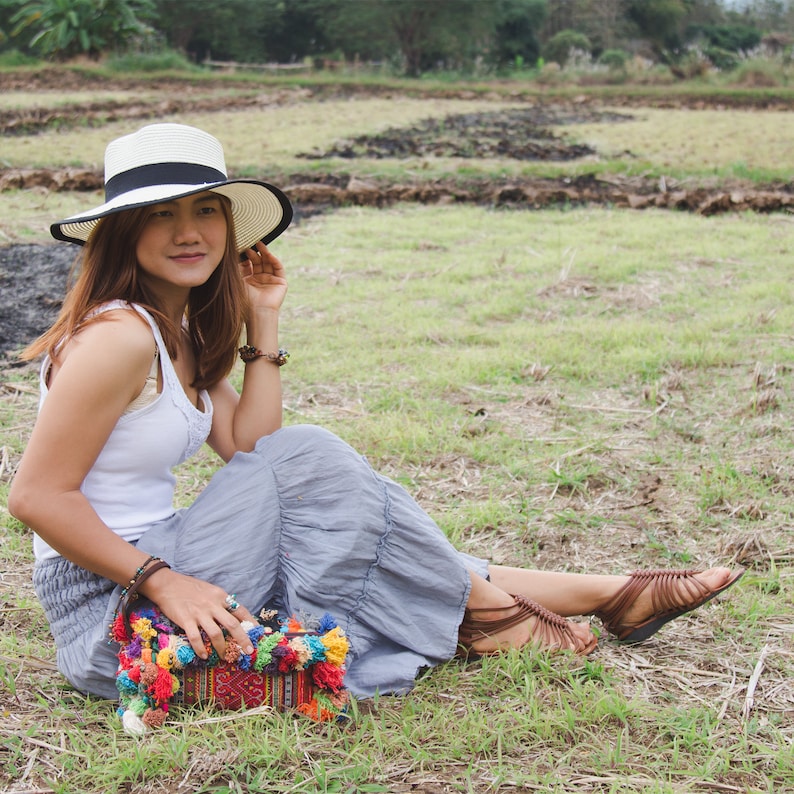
{"x": 161, "y": 162}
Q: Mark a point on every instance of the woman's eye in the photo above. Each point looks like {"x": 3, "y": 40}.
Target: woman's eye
{"x": 207, "y": 210}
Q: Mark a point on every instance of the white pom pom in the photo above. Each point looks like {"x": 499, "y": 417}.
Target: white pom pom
{"x": 132, "y": 723}
{"x": 247, "y": 625}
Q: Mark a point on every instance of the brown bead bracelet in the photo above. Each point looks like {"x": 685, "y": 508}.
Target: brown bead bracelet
{"x": 130, "y": 592}
{"x": 249, "y": 353}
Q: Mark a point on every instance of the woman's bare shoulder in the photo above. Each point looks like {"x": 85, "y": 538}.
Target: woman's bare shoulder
{"x": 118, "y": 336}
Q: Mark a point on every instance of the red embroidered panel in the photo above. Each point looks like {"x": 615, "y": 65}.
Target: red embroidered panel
{"x": 230, "y": 688}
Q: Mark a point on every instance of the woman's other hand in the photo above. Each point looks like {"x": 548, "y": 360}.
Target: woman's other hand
{"x": 264, "y": 276}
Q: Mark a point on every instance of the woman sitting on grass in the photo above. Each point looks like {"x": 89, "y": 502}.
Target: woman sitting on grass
{"x": 134, "y": 381}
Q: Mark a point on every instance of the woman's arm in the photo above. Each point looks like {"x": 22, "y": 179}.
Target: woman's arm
{"x": 97, "y": 374}
{"x": 239, "y": 421}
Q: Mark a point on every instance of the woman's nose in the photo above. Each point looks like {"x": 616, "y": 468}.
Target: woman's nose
{"x": 186, "y": 230}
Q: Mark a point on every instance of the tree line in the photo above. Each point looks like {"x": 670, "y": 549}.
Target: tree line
{"x": 411, "y": 37}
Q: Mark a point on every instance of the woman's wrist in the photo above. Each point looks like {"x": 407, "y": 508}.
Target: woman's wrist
{"x": 261, "y": 323}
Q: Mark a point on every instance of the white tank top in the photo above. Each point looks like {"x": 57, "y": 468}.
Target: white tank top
{"x": 131, "y": 484}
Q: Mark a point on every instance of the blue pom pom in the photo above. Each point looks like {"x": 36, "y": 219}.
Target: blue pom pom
{"x": 327, "y": 622}
{"x": 256, "y": 633}
{"x": 124, "y": 684}
{"x": 316, "y": 647}
{"x": 185, "y": 654}
{"x": 244, "y": 662}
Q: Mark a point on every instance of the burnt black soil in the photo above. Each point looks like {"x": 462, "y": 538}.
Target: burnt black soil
{"x": 32, "y": 284}
{"x": 516, "y": 134}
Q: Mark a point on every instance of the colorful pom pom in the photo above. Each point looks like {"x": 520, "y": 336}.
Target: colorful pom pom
{"x": 185, "y": 655}
{"x": 336, "y": 646}
{"x": 153, "y": 718}
{"x": 328, "y": 676}
{"x": 327, "y": 623}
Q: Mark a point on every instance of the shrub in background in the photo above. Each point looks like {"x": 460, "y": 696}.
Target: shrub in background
{"x": 162, "y": 61}
{"x": 559, "y": 47}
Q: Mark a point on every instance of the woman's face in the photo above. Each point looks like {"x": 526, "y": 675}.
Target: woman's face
{"x": 183, "y": 241}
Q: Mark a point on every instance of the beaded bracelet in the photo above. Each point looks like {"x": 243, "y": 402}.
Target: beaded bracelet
{"x": 249, "y": 353}
{"x": 142, "y": 573}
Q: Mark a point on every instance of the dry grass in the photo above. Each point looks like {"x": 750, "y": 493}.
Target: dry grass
{"x": 703, "y": 142}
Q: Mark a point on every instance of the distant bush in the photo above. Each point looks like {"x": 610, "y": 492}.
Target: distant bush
{"x": 733, "y": 38}
{"x": 759, "y": 73}
{"x": 162, "y": 61}
{"x": 614, "y": 59}
{"x": 559, "y": 47}
{"x": 725, "y": 60}
{"x": 14, "y": 58}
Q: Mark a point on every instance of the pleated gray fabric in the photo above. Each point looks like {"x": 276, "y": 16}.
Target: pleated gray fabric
{"x": 303, "y": 523}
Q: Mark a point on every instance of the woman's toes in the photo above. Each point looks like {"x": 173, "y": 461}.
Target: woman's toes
{"x": 715, "y": 578}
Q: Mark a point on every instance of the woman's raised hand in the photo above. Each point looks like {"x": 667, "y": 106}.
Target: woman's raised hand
{"x": 263, "y": 273}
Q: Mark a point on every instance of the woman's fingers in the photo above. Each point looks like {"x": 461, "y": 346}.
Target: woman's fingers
{"x": 261, "y": 260}
{"x": 217, "y": 630}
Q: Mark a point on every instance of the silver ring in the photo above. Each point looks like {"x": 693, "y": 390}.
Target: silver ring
{"x": 231, "y": 602}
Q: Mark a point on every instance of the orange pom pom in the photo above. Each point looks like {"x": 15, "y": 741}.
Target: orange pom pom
{"x": 293, "y": 624}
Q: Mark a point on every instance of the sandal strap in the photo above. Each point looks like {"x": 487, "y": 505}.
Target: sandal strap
{"x": 473, "y": 628}
{"x": 550, "y": 629}
{"x": 666, "y": 595}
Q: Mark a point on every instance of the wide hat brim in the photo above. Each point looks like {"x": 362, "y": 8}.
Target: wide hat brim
{"x": 260, "y": 211}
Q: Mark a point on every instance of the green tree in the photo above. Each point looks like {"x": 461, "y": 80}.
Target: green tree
{"x": 660, "y": 23}
{"x": 232, "y": 30}
{"x": 293, "y": 29}
{"x": 516, "y": 27}
{"x": 61, "y": 29}
{"x": 558, "y": 48}
{"x": 603, "y": 22}
{"x": 420, "y": 34}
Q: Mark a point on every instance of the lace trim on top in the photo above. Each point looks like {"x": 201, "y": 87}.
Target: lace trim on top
{"x": 199, "y": 422}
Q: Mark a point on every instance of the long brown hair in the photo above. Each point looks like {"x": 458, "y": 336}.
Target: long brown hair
{"x": 108, "y": 270}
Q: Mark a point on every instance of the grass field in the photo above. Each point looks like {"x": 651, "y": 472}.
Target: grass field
{"x": 578, "y": 389}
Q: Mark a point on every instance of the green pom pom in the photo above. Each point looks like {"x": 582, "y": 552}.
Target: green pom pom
{"x": 138, "y": 706}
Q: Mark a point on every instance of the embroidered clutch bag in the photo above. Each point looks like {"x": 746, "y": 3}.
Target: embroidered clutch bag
{"x": 295, "y": 665}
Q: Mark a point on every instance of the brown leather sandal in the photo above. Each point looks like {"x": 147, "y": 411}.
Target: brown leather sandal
{"x": 669, "y": 599}
{"x": 550, "y": 632}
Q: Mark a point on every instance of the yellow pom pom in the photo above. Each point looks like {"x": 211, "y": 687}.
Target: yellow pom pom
{"x": 143, "y": 628}
{"x": 336, "y": 646}
{"x": 166, "y": 658}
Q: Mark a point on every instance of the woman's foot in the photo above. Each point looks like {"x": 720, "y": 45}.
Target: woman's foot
{"x": 525, "y": 622}
{"x": 649, "y": 599}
